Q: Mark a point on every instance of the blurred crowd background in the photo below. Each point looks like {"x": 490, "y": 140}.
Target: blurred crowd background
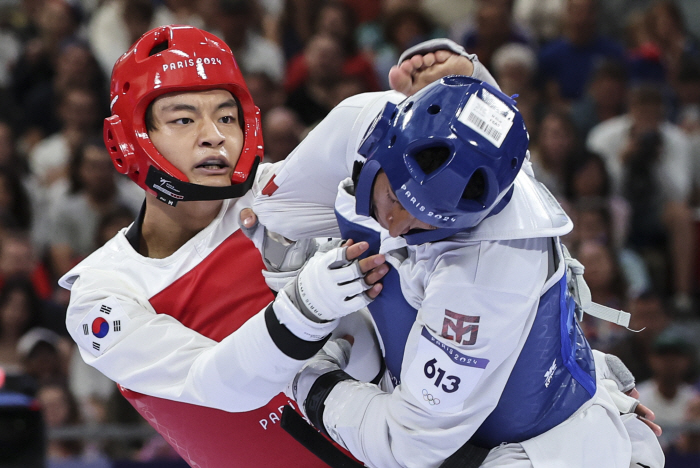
{"x": 609, "y": 89}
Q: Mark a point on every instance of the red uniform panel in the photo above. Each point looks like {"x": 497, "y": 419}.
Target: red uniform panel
{"x": 216, "y": 298}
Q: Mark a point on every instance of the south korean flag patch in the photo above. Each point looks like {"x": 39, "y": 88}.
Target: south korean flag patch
{"x": 102, "y": 326}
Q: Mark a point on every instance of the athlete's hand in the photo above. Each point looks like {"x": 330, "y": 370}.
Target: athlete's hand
{"x": 419, "y": 71}
{"x": 334, "y": 283}
{"x": 645, "y": 414}
{"x": 620, "y": 384}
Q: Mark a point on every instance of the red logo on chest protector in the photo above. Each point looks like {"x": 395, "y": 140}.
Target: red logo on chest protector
{"x": 463, "y": 326}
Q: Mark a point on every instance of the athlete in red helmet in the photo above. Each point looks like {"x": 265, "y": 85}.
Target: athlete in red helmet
{"x": 174, "y": 308}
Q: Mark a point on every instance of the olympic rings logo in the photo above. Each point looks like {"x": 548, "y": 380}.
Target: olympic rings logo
{"x": 430, "y": 399}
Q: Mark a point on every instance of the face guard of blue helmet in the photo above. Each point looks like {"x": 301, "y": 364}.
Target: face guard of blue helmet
{"x": 451, "y": 153}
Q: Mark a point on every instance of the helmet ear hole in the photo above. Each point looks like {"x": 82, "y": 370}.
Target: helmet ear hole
{"x": 433, "y": 109}
{"x": 476, "y": 187}
{"x": 125, "y": 88}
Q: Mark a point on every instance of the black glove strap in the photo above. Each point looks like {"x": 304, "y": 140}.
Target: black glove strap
{"x": 314, "y": 403}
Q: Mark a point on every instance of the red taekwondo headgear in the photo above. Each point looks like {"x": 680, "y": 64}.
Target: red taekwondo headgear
{"x": 175, "y": 59}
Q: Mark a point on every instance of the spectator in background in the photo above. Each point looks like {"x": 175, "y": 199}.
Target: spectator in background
{"x": 56, "y": 22}
{"x": 115, "y": 25}
{"x": 266, "y": 91}
{"x": 402, "y": 28}
{"x": 514, "y": 66}
{"x": 542, "y": 18}
{"x": 19, "y": 312}
{"x": 567, "y": 63}
{"x": 235, "y": 21}
{"x": 687, "y": 116}
{"x": 43, "y": 354}
{"x": 648, "y": 315}
{"x": 604, "y": 98}
{"x": 669, "y": 33}
{"x": 8, "y": 152}
{"x": 687, "y": 91}
{"x": 493, "y": 28}
{"x": 586, "y": 178}
{"x": 297, "y": 25}
{"x": 593, "y": 223}
{"x": 644, "y": 56}
{"x": 282, "y": 132}
{"x": 15, "y": 206}
{"x": 648, "y": 159}
{"x": 111, "y": 222}
{"x": 94, "y": 190}
{"x": 604, "y": 277}
{"x": 18, "y": 259}
{"x": 76, "y": 67}
{"x": 178, "y": 12}
{"x": 556, "y": 143}
{"x": 334, "y": 19}
{"x": 672, "y": 362}
{"x": 81, "y": 116}
{"x": 314, "y": 98}
{"x": 60, "y": 410}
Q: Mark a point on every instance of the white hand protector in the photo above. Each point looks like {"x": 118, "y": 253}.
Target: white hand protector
{"x": 333, "y": 357}
{"x": 282, "y": 257}
{"x": 617, "y": 380}
{"x": 329, "y": 286}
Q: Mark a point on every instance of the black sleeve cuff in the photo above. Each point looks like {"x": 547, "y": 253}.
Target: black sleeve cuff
{"x": 288, "y": 342}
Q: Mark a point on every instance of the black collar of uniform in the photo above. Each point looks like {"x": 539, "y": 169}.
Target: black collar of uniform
{"x": 133, "y": 234}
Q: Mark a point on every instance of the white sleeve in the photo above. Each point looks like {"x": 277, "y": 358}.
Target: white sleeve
{"x": 307, "y": 181}
{"x": 448, "y": 388}
{"x": 156, "y": 355}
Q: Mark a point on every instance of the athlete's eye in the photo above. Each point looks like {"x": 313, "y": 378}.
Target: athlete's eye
{"x": 228, "y": 119}
{"x": 183, "y": 121}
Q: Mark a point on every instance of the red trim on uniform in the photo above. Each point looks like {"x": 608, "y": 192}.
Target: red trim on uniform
{"x": 270, "y": 188}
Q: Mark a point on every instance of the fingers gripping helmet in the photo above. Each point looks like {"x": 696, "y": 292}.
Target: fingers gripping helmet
{"x": 165, "y": 60}
{"x": 451, "y": 154}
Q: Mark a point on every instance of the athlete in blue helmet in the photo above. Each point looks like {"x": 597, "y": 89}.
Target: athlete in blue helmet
{"x": 477, "y": 322}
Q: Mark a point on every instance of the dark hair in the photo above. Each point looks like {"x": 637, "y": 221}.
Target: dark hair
{"x": 19, "y": 213}
{"x": 401, "y": 15}
{"x": 575, "y": 164}
{"x": 76, "y": 160}
{"x": 25, "y": 286}
{"x": 347, "y": 43}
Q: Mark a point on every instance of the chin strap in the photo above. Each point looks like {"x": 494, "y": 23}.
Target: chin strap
{"x": 171, "y": 190}
{"x": 582, "y": 295}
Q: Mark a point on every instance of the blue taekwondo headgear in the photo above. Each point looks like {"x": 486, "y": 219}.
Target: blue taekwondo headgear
{"x": 480, "y": 141}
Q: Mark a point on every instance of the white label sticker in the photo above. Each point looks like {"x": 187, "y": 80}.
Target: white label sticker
{"x": 441, "y": 376}
{"x": 491, "y": 119}
{"x": 102, "y": 326}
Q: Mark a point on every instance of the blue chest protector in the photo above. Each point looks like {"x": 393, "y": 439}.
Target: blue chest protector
{"x": 553, "y": 376}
